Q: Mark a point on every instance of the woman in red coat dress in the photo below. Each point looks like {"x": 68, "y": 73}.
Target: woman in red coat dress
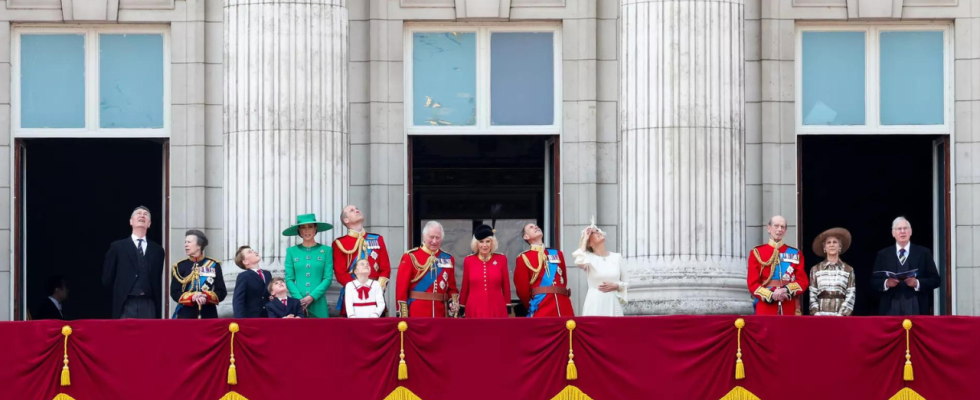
{"x": 486, "y": 283}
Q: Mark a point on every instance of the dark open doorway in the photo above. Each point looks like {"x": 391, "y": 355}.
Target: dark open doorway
{"x": 862, "y": 183}
{"x": 457, "y": 179}
{"x": 76, "y": 198}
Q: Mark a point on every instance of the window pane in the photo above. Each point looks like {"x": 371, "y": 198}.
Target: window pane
{"x": 833, "y": 78}
{"x": 52, "y": 81}
{"x": 912, "y": 78}
{"x": 131, "y": 81}
{"x": 522, "y": 78}
{"x": 444, "y": 81}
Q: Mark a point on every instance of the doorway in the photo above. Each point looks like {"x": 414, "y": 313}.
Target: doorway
{"x": 456, "y": 180}
{"x": 862, "y": 183}
{"x": 75, "y": 198}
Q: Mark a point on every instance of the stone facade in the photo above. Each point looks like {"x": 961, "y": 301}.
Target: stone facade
{"x": 364, "y": 106}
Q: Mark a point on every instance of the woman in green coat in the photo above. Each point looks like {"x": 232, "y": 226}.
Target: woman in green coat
{"x": 309, "y": 266}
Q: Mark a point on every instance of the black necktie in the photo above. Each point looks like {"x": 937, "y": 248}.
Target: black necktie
{"x": 139, "y": 246}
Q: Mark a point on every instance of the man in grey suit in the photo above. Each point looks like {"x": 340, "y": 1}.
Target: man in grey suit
{"x": 912, "y": 295}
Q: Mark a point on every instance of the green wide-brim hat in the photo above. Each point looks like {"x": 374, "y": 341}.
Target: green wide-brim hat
{"x": 303, "y": 220}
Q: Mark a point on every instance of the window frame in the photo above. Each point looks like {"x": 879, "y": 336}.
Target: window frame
{"x": 92, "y": 128}
{"x": 872, "y": 79}
{"x": 483, "y": 126}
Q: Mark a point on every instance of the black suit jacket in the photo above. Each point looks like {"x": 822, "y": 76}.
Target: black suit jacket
{"x": 47, "y": 310}
{"x": 251, "y": 295}
{"x": 920, "y": 258}
{"x": 121, "y": 268}
{"x": 277, "y": 310}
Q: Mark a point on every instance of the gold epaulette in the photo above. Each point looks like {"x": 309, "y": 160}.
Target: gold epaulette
{"x": 412, "y": 249}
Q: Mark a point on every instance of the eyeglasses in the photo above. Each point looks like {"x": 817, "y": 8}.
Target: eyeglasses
{"x": 902, "y": 229}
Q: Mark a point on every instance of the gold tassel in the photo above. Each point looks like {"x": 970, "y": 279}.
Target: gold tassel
{"x": 65, "y": 375}
{"x": 571, "y": 393}
{"x": 907, "y": 394}
{"x": 909, "y": 376}
{"x": 62, "y": 396}
{"x": 400, "y": 393}
{"x": 739, "y": 393}
{"x": 232, "y": 395}
{"x": 402, "y": 366}
{"x": 739, "y": 366}
{"x": 571, "y": 373}
{"x": 232, "y": 373}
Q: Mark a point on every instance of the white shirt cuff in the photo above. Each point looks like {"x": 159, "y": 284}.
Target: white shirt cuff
{"x": 886, "y": 285}
{"x": 916, "y": 285}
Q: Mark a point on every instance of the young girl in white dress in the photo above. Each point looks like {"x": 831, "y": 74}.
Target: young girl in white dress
{"x": 363, "y": 297}
{"x": 606, "y": 274}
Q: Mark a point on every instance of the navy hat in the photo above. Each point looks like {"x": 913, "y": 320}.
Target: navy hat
{"x": 482, "y": 232}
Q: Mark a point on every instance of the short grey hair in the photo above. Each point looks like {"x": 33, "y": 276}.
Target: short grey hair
{"x": 141, "y": 208}
{"x": 494, "y": 245}
{"x": 433, "y": 224}
{"x": 900, "y": 219}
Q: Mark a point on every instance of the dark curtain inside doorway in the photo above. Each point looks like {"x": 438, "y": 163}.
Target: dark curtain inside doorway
{"x": 79, "y": 196}
{"x": 862, "y": 183}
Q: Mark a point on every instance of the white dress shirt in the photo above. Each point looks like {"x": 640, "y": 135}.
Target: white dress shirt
{"x": 135, "y": 243}
{"x": 56, "y": 303}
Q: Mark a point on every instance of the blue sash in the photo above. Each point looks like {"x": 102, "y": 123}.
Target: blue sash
{"x": 201, "y": 282}
{"x": 779, "y": 269}
{"x": 362, "y": 254}
{"x": 548, "y": 279}
{"x": 429, "y": 278}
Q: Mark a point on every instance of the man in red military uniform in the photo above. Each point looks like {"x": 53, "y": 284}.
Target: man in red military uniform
{"x": 776, "y": 274}
{"x": 426, "y": 280}
{"x": 358, "y": 245}
{"x": 541, "y": 279}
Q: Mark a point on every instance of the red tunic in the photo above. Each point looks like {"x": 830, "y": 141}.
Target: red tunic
{"x": 553, "y": 305}
{"x": 409, "y": 277}
{"x": 377, "y": 258}
{"x": 486, "y": 287}
{"x": 760, "y": 281}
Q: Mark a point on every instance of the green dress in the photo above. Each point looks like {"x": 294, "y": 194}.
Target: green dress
{"x": 309, "y": 272}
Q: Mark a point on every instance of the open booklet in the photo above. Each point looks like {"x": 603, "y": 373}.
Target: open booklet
{"x": 900, "y": 275}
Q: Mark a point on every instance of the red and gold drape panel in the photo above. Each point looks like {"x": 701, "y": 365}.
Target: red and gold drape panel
{"x": 616, "y": 358}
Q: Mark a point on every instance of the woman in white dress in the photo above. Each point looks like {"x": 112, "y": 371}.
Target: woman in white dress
{"x": 606, "y": 273}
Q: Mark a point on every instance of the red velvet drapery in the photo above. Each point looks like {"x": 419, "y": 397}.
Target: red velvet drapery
{"x": 680, "y": 357}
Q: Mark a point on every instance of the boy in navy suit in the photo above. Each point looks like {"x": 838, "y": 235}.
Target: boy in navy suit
{"x": 282, "y": 306}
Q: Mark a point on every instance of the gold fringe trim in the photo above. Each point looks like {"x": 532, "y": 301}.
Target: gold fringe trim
{"x": 739, "y": 393}
{"x": 232, "y": 372}
{"x": 907, "y": 375}
{"x": 402, "y": 366}
{"x": 62, "y": 396}
{"x": 65, "y": 375}
{"x": 571, "y": 393}
{"x": 400, "y": 393}
{"x": 232, "y": 395}
{"x": 571, "y": 373}
{"x": 907, "y": 394}
{"x": 739, "y": 366}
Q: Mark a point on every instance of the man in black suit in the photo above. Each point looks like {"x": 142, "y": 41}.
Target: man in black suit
{"x": 251, "y": 290}
{"x": 133, "y": 269}
{"x": 52, "y": 306}
{"x": 913, "y": 295}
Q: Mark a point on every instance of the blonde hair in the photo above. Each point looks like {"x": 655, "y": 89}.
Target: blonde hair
{"x": 365, "y": 261}
{"x": 494, "y": 245}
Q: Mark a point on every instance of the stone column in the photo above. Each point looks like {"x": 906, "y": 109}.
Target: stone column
{"x": 286, "y": 122}
{"x": 682, "y": 195}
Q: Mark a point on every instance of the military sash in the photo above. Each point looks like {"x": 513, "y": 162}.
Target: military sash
{"x": 548, "y": 279}
{"x": 789, "y": 261}
{"x": 430, "y": 276}
{"x": 204, "y": 282}
{"x": 371, "y": 242}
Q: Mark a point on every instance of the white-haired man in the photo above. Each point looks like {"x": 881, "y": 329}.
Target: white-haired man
{"x": 776, "y": 276}
{"x": 905, "y": 274}
{"x": 426, "y": 280}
